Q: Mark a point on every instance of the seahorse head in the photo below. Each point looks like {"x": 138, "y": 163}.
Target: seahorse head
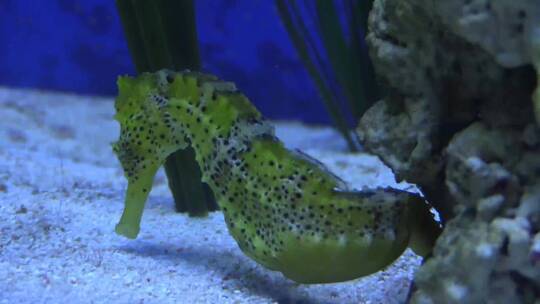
{"x": 145, "y": 126}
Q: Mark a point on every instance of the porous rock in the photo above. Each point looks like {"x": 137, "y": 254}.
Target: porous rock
{"x": 458, "y": 120}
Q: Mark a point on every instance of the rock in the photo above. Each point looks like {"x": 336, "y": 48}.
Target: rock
{"x": 458, "y": 121}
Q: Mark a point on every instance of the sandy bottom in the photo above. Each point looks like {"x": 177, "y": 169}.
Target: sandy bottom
{"x": 61, "y": 193}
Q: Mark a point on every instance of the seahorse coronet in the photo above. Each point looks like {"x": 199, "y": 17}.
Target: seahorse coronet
{"x": 284, "y": 209}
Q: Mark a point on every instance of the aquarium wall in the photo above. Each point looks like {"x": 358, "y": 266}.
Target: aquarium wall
{"x": 425, "y": 189}
{"x": 79, "y": 47}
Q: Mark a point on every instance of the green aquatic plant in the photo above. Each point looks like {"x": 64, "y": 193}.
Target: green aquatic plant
{"x": 334, "y": 54}
{"x": 283, "y": 208}
{"x": 535, "y": 46}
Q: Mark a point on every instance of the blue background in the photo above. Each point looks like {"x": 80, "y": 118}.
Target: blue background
{"x": 78, "y": 46}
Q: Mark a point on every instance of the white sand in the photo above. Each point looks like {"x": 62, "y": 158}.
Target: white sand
{"x": 61, "y": 193}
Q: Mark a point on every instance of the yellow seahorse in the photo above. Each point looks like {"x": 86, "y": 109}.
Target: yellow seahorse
{"x": 284, "y": 209}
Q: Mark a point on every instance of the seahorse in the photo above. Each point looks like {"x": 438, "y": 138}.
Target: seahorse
{"x": 284, "y": 209}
